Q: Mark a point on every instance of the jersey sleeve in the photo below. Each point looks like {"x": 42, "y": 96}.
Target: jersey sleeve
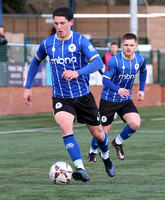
{"x": 143, "y": 74}
{"x": 87, "y": 48}
{"x": 143, "y": 66}
{"x": 34, "y": 65}
{"x": 41, "y": 53}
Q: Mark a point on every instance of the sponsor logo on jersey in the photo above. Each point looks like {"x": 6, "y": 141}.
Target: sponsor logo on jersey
{"x": 62, "y": 61}
{"x": 91, "y": 48}
{"x": 72, "y": 47}
{"x": 127, "y": 76}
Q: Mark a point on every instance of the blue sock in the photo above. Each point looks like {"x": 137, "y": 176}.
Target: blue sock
{"x": 72, "y": 147}
{"x": 127, "y": 132}
{"x": 94, "y": 144}
{"x": 104, "y": 144}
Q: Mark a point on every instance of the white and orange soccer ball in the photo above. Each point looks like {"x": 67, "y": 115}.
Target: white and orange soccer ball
{"x": 61, "y": 173}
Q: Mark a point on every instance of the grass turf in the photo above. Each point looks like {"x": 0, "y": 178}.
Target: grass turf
{"x": 30, "y": 144}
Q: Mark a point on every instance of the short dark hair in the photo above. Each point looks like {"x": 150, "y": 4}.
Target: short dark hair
{"x": 128, "y": 36}
{"x": 63, "y": 11}
{"x": 113, "y": 43}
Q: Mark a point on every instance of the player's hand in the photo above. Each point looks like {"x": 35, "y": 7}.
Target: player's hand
{"x": 140, "y": 96}
{"x": 27, "y": 96}
{"x": 68, "y": 75}
{"x": 123, "y": 92}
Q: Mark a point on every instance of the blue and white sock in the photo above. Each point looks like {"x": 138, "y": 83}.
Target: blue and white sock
{"x": 73, "y": 150}
{"x": 94, "y": 146}
{"x": 104, "y": 147}
{"x": 126, "y": 133}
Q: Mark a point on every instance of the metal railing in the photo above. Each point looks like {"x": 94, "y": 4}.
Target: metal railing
{"x": 15, "y": 59}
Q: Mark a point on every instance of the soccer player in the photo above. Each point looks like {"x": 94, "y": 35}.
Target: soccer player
{"x": 118, "y": 80}
{"x": 67, "y": 51}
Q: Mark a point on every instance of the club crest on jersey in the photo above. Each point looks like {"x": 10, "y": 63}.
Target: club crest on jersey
{"x": 137, "y": 66}
{"x": 104, "y": 119}
{"x": 72, "y": 47}
{"x": 58, "y": 105}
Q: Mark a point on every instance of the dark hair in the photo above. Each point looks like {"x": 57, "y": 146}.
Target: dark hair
{"x": 63, "y": 11}
{"x": 128, "y": 36}
{"x": 113, "y": 43}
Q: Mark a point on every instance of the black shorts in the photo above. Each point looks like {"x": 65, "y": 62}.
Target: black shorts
{"x": 107, "y": 110}
{"x": 84, "y": 108}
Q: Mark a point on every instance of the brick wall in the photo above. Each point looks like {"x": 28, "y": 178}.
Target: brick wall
{"x": 11, "y": 100}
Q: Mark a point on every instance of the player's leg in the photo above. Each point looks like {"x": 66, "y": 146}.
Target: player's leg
{"x": 103, "y": 144}
{"x": 65, "y": 121}
{"x": 107, "y": 115}
{"x": 88, "y": 113}
{"x": 92, "y": 155}
{"x": 131, "y": 116}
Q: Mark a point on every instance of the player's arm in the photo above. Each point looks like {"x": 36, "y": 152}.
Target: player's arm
{"x": 110, "y": 85}
{"x": 94, "y": 65}
{"x": 107, "y": 82}
{"x": 142, "y": 79}
{"x": 33, "y": 69}
{"x": 95, "y": 61}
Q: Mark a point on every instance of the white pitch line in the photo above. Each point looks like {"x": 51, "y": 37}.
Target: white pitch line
{"x": 158, "y": 119}
{"x": 26, "y": 130}
{"x": 44, "y": 129}
{"x": 56, "y": 129}
{"x": 140, "y": 131}
{"x": 35, "y": 130}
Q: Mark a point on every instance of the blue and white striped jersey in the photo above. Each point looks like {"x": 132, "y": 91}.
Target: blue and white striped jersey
{"x": 68, "y": 54}
{"x": 122, "y": 72}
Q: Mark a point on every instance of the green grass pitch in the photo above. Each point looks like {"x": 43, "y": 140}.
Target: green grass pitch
{"x": 30, "y": 144}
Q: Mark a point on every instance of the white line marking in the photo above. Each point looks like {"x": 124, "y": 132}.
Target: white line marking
{"x": 56, "y": 129}
{"x": 158, "y": 119}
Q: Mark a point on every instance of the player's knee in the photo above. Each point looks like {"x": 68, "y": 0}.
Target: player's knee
{"x": 65, "y": 129}
{"x": 99, "y": 134}
{"x": 135, "y": 124}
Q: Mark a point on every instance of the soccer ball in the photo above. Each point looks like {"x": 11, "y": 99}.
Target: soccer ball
{"x": 61, "y": 173}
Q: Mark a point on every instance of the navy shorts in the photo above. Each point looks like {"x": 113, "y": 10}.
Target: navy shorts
{"x": 84, "y": 108}
{"x": 108, "y": 109}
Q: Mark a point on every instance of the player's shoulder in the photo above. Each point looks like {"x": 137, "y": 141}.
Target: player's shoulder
{"x": 78, "y": 38}
{"x": 117, "y": 57}
{"x": 47, "y": 40}
{"x": 139, "y": 56}
{"x": 77, "y": 35}
{"x": 50, "y": 38}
